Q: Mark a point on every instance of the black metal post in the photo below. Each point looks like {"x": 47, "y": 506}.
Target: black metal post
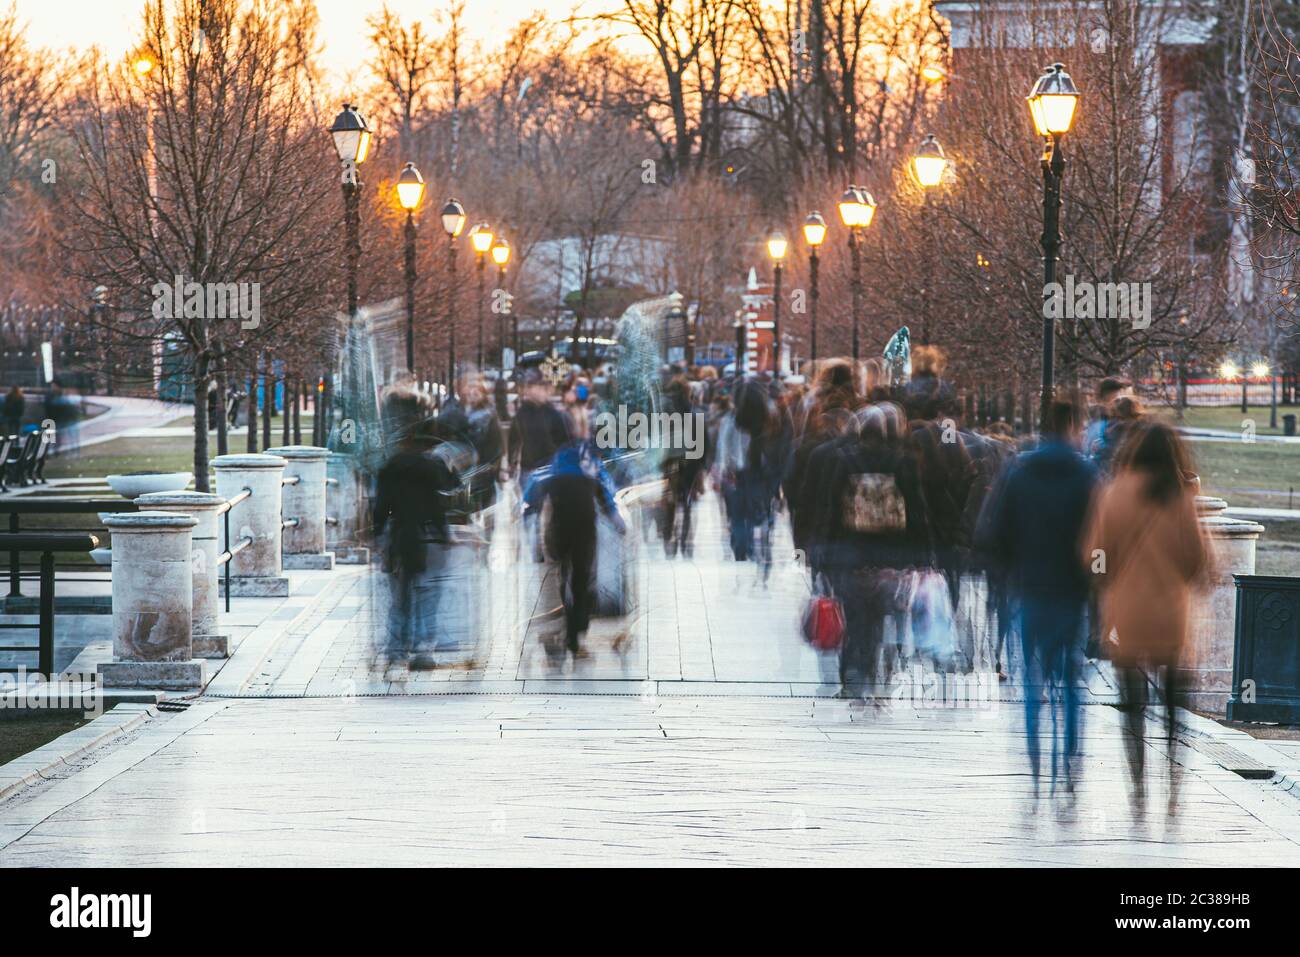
{"x": 410, "y": 292}
{"x": 1053, "y": 171}
{"x": 15, "y": 573}
{"x": 776, "y": 321}
{"x": 814, "y": 295}
{"x": 740, "y": 350}
{"x": 855, "y": 257}
{"x": 481, "y": 265}
{"x": 451, "y": 316}
{"x": 499, "y": 297}
{"x": 45, "y": 656}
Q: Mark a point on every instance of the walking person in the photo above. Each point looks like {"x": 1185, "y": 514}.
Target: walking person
{"x": 1146, "y": 549}
{"x": 1036, "y": 530}
{"x": 15, "y": 404}
{"x": 575, "y": 485}
{"x": 411, "y": 523}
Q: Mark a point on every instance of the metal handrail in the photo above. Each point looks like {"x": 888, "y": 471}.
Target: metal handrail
{"x": 50, "y": 505}
{"x": 290, "y": 479}
{"x": 47, "y": 544}
{"x": 224, "y": 511}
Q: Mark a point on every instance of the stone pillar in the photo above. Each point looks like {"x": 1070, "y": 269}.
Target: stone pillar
{"x": 153, "y": 602}
{"x": 304, "y": 543}
{"x": 1207, "y": 663}
{"x": 346, "y": 511}
{"x": 255, "y": 571}
{"x": 207, "y": 546}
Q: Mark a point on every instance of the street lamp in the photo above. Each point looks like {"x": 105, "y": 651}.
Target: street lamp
{"x": 480, "y": 238}
{"x": 501, "y": 256}
{"x": 410, "y": 193}
{"x": 814, "y": 234}
{"x": 929, "y": 162}
{"x": 1052, "y": 104}
{"x": 351, "y": 135}
{"x": 777, "y": 245}
{"x": 453, "y": 222}
{"x": 857, "y": 209}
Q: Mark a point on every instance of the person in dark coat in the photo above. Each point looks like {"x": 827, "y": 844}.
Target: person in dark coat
{"x": 855, "y": 480}
{"x": 411, "y": 523}
{"x": 15, "y": 404}
{"x": 1036, "y": 531}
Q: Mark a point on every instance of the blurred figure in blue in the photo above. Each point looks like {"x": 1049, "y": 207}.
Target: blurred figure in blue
{"x": 1036, "y": 530}
{"x": 577, "y": 486}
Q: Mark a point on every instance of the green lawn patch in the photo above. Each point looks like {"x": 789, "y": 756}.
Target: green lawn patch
{"x": 20, "y": 735}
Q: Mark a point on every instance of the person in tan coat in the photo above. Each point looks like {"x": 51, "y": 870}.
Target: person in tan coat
{"x": 1146, "y": 551}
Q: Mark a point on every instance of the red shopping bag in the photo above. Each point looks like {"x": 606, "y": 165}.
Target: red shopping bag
{"x": 823, "y": 623}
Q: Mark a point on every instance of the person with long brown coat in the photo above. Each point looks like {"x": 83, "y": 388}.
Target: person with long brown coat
{"x": 1146, "y": 550}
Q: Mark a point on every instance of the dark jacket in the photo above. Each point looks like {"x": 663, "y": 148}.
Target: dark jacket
{"x": 1037, "y": 522}
{"x": 539, "y": 429}
{"x": 832, "y": 543}
{"x": 409, "y": 508}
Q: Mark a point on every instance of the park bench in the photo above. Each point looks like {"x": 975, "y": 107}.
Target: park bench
{"x": 6, "y": 444}
{"x": 25, "y": 458}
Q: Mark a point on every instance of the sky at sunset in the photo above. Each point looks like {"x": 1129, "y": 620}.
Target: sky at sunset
{"x": 112, "y": 24}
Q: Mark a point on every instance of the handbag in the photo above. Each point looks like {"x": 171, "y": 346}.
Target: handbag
{"x": 823, "y": 622}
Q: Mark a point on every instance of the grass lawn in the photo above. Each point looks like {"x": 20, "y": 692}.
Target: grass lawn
{"x": 19, "y": 735}
{"x": 1261, "y": 474}
{"x": 161, "y": 454}
{"x": 1227, "y": 417}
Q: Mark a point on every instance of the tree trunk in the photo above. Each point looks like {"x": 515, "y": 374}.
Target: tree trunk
{"x": 223, "y": 399}
{"x": 201, "y": 424}
{"x": 285, "y": 399}
{"x": 252, "y": 409}
{"x": 268, "y": 403}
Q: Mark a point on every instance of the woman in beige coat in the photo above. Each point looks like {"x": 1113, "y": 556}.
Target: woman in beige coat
{"x": 1146, "y": 551}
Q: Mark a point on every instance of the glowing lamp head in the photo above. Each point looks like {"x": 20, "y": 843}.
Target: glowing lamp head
{"x": 410, "y": 187}
{"x": 856, "y": 207}
{"x": 1229, "y": 370}
{"x": 1052, "y": 101}
{"x": 351, "y": 135}
{"x": 501, "y": 251}
{"x": 933, "y": 72}
{"x": 143, "y": 64}
{"x": 1259, "y": 370}
{"x": 814, "y": 229}
{"x": 480, "y": 237}
{"x": 929, "y": 163}
{"x": 777, "y": 244}
{"x": 453, "y": 218}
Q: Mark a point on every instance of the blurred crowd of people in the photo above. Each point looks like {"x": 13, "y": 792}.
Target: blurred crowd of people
{"x": 935, "y": 543}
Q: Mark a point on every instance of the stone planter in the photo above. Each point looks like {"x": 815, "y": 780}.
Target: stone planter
{"x": 256, "y": 572}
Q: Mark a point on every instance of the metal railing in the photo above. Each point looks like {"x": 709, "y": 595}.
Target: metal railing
{"x": 18, "y": 507}
{"x": 223, "y": 560}
{"x": 46, "y": 544}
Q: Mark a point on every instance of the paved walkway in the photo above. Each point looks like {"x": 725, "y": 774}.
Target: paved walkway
{"x": 701, "y": 730}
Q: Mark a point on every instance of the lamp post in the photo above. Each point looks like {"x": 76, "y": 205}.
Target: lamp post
{"x": 351, "y": 135}
{"x": 777, "y": 245}
{"x": 814, "y": 234}
{"x": 410, "y": 193}
{"x": 501, "y": 256}
{"x": 740, "y": 349}
{"x": 1052, "y": 103}
{"x": 857, "y": 207}
{"x": 453, "y": 222}
{"x": 480, "y": 238}
{"x": 928, "y": 167}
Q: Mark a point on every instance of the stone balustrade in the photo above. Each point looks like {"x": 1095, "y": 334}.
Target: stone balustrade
{"x": 305, "y": 502}
{"x": 256, "y": 572}
{"x": 207, "y": 547}
{"x": 153, "y": 602}
{"x": 1207, "y": 664}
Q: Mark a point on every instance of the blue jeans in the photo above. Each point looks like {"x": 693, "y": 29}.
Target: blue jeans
{"x": 1051, "y": 632}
